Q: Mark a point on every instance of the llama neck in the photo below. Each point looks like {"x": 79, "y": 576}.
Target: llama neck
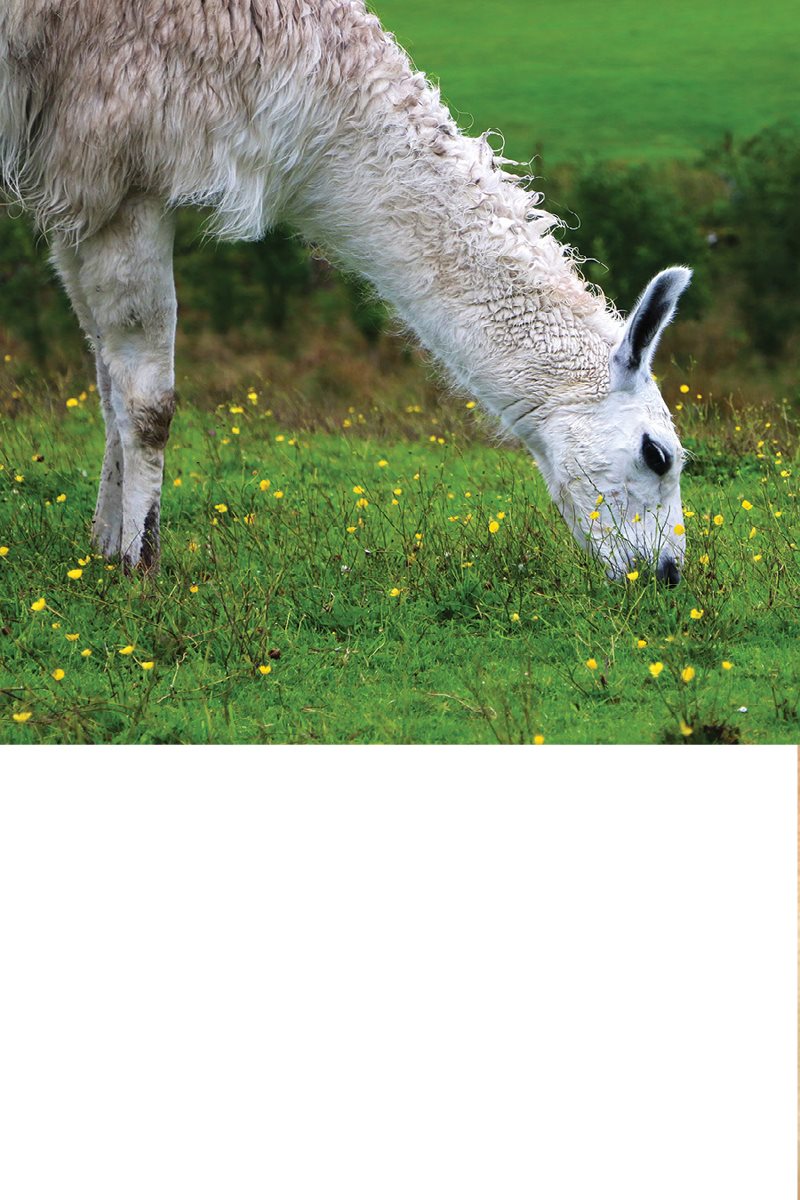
{"x": 457, "y": 247}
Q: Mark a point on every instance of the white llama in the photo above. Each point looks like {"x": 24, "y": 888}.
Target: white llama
{"x": 113, "y": 114}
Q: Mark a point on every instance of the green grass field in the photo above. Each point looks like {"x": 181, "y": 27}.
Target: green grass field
{"x": 624, "y": 80}
{"x": 351, "y": 587}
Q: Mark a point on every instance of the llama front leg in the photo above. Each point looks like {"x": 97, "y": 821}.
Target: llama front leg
{"x": 144, "y": 414}
{"x": 107, "y": 520}
{"x": 126, "y": 270}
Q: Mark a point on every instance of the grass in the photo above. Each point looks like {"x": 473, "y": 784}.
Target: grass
{"x": 358, "y": 594}
{"x": 623, "y": 80}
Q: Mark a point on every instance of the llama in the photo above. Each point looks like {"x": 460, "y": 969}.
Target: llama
{"x": 113, "y": 114}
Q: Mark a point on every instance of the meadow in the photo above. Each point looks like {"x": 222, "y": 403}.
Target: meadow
{"x": 624, "y": 80}
{"x": 388, "y": 577}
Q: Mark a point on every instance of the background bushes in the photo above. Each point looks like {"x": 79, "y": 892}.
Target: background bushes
{"x": 733, "y": 216}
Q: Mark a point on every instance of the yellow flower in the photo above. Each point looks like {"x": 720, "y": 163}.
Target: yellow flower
{"x": 397, "y": 492}
{"x": 265, "y": 669}
{"x": 358, "y": 490}
{"x": 656, "y": 668}
{"x": 193, "y": 547}
{"x": 599, "y": 499}
{"x": 538, "y": 739}
{"x": 684, "y": 388}
{"x": 278, "y": 495}
{"x": 351, "y": 528}
{"x": 515, "y": 616}
{"x": 697, "y": 614}
{"x": 39, "y": 604}
{"x": 591, "y": 664}
{"x": 84, "y": 562}
{"x": 785, "y": 474}
{"x": 636, "y": 518}
{"x": 757, "y": 557}
{"x": 3, "y": 551}
{"x": 383, "y": 463}
{"x": 686, "y": 730}
{"x": 56, "y": 625}
{"x": 147, "y": 666}
{"x": 361, "y": 503}
{"x": 705, "y": 560}
{"x": 752, "y": 533}
{"x": 395, "y": 591}
{"x": 633, "y": 576}
{"x": 250, "y": 519}
{"x": 60, "y": 499}
{"x": 746, "y": 505}
{"x": 470, "y": 404}
{"x": 75, "y": 573}
{"x": 594, "y": 515}
{"x": 641, "y": 643}
{"x": 235, "y": 430}
{"x": 72, "y": 402}
{"x": 264, "y": 485}
{"x": 719, "y": 519}
{"x": 59, "y": 674}
{"x": 194, "y": 589}
{"x": 688, "y": 674}
{"x": 680, "y": 530}
{"x": 251, "y": 396}
{"x": 21, "y": 717}
{"x": 778, "y": 513}
{"x": 127, "y": 650}
{"x": 72, "y": 637}
{"x": 86, "y": 653}
{"x": 346, "y": 423}
{"x": 280, "y": 437}
{"x": 494, "y": 526}
{"x": 726, "y": 665}
{"x": 177, "y": 483}
{"x": 235, "y": 408}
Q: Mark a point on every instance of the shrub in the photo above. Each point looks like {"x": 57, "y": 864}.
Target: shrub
{"x": 764, "y": 180}
{"x": 634, "y": 223}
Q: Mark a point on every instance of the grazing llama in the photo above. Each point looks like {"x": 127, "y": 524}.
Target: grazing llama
{"x": 113, "y": 114}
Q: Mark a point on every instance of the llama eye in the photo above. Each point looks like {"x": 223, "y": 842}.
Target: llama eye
{"x": 655, "y": 456}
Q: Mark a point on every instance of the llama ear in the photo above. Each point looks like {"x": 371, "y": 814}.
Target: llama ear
{"x": 653, "y": 312}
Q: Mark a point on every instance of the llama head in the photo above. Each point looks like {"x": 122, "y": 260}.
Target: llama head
{"x": 613, "y": 463}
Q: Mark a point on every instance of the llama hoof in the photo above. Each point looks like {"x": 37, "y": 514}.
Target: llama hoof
{"x": 106, "y": 542}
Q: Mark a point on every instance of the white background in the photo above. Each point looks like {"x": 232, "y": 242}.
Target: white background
{"x": 449, "y": 973}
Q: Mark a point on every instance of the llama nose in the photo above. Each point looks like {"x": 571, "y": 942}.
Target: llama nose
{"x": 668, "y": 572}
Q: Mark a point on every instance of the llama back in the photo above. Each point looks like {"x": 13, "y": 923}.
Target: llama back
{"x": 210, "y": 102}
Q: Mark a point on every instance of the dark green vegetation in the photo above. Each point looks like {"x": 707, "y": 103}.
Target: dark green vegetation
{"x": 626, "y": 80}
{"x": 373, "y": 589}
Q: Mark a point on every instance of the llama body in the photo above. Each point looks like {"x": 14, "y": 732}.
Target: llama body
{"x": 113, "y": 114}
